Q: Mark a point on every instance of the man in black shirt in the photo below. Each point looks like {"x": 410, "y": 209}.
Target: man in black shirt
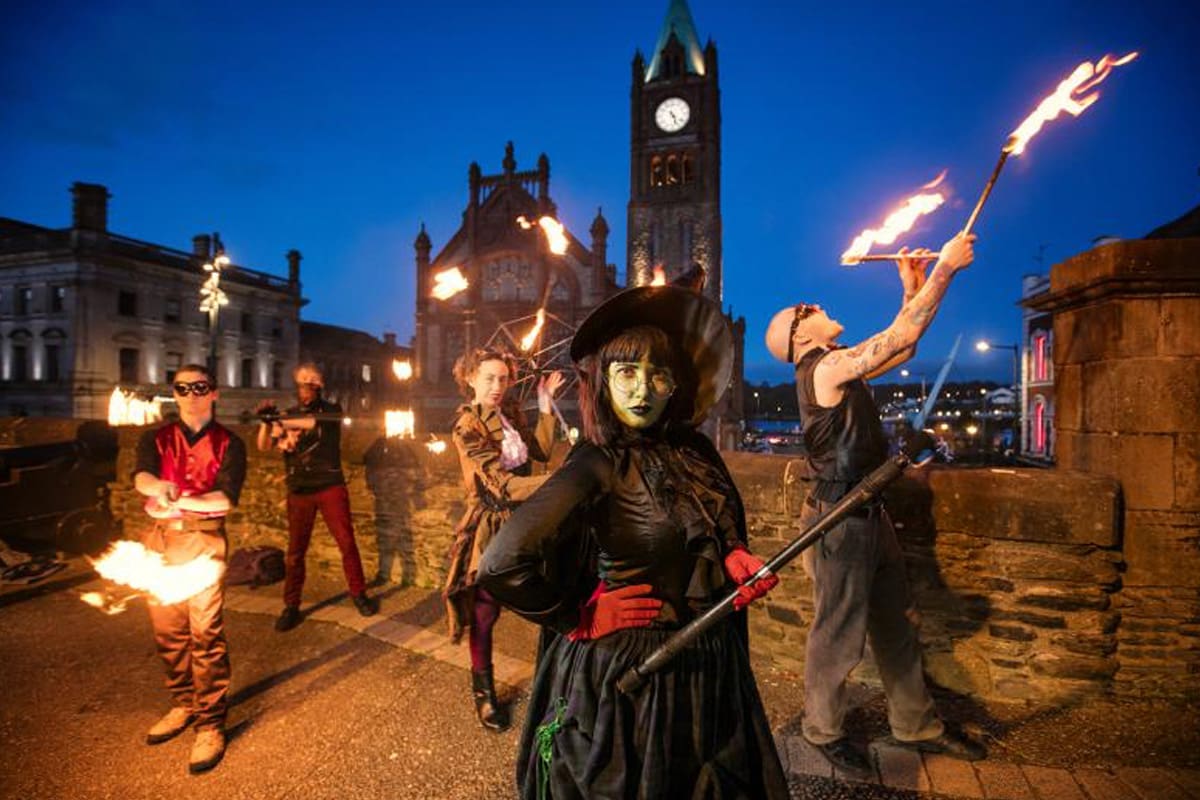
{"x": 859, "y": 584}
{"x": 310, "y": 436}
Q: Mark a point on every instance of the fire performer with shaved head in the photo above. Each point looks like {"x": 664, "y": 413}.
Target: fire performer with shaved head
{"x": 191, "y": 472}
{"x": 859, "y": 584}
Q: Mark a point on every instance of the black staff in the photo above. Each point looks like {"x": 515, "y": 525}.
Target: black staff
{"x": 869, "y": 488}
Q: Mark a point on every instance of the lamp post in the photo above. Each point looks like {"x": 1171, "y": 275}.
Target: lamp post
{"x": 983, "y": 345}
{"x": 757, "y": 410}
{"x": 212, "y": 297}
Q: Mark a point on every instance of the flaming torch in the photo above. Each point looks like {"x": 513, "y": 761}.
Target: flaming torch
{"x": 556, "y": 236}
{"x": 128, "y": 409}
{"x": 660, "y": 276}
{"x": 146, "y": 572}
{"x": 529, "y": 339}
{"x": 899, "y": 221}
{"x": 435, "y": 445}
{"x": 399, "y": 424}
{"x": 1070, "y": 96}
{"x": 448, "y": 283}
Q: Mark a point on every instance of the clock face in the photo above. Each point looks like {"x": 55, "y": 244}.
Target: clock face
{"x": 672, "y": 114}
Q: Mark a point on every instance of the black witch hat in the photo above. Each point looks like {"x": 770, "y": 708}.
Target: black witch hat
{"x": 689, "y": 319}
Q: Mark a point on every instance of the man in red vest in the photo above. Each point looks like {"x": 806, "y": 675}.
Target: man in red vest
{"x": 191, "y": 472}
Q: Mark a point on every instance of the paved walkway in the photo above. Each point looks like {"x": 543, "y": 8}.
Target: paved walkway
{"x": 897, "y": 769}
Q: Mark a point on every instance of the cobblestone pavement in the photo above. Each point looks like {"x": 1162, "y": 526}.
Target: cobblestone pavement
{"x": 347, "y": 706}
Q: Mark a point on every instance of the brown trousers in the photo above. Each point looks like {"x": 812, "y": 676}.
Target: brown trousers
{"x": 190, "y": 635}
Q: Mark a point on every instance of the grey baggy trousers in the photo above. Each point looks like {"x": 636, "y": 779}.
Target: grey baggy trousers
{"x": 860, "y": 590}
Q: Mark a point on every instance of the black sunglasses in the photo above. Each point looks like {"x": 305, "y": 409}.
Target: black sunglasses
{"x": 198, "y": 388}
{"x": 803, "y": 311}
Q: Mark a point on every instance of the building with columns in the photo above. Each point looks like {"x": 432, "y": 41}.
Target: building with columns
{"x": 84, "y": 309}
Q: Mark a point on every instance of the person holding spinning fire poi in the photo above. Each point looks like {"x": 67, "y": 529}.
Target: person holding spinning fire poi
{"x": 191, "y": 472}
{"x": 639, "y": 532}
{"x": 859, "y": 584}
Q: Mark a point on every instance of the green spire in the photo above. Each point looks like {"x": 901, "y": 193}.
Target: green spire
{"x": 678, "y": 22}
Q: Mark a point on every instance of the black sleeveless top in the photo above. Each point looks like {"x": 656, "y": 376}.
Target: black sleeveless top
{"x": 845, "y": 442}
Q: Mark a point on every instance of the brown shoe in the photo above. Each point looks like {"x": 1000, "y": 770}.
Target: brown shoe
{"x": 173, "y": 723}
{"x": 207, "y": 750}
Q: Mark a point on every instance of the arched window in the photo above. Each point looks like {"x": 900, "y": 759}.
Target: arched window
{"x": 1039, "y": 363}
{"x": 1039, "y": 423}
{"x": 657, "y": 173}
{"x": 688, "y": 171}
{"x": 674, "y": 169}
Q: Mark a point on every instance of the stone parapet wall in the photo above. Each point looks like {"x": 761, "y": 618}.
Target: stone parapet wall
{"x": 1018, "y": 574}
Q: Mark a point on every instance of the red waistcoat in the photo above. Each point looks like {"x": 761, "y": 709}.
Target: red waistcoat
{"x": 193, "y": 468}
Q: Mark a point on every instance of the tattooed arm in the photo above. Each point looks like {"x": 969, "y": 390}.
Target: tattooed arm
{"x": 840, "y": 367}
{"x": 912, "y": 278}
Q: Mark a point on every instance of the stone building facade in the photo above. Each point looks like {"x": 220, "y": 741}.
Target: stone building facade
{"x": 510, "y": 273}
{"x": 357, "y": 367}
{"x": 84, "y": 309}
{"x": 1037, "y": 379}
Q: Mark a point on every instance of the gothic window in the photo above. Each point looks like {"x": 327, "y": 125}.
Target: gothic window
{"x": 674, "y": 169}
{"x": 508, "y": 279}
{"x": 657, "y": 174}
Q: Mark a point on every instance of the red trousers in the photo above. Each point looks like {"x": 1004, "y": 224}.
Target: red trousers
{"x": 334, "y": 505}
{"x": 190, "y": 636}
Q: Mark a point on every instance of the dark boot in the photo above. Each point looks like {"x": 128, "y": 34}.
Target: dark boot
{"x": 491, "y": 715}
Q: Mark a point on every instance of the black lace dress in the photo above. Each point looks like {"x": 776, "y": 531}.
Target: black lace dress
{"x": 661, "y": 510}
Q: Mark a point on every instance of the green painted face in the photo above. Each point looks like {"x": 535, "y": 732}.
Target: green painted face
{"x": 639, "y": 391}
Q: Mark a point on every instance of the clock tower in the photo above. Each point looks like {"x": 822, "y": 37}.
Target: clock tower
{"x": 675, "y": 158}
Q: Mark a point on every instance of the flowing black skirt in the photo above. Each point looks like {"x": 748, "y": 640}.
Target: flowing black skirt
{"x": 696, "y": 730}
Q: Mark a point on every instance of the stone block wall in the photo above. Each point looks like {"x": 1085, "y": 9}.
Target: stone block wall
{"x": 1127, "y": 363}
{"x": 1017, "y": 574}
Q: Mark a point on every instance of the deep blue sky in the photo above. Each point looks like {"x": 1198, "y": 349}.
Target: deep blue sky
{"x": 338, "y": 132}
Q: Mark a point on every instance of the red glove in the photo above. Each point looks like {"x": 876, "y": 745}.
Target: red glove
{"x": 611, "y": 610}
{"x": 740, "y": 566}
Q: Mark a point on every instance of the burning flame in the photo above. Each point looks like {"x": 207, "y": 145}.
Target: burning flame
{"x": 1069, "y": 97}
{"x": 402, "y": 369}
{"x": 128, "y": 409}
{"x": 556, "y": 236}
{"x": 660, "y": 276}
{"x": 435, "y": 445}
{"x": 528, "y": 340}
{"x": 448, "y": 283}
{"x": 899, "y": 221}
{"x": 400, "y": 424}
{"x": 133, "y": 565}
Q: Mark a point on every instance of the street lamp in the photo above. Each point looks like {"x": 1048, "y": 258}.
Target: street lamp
{"x": 212, "y": 297}
{"x": 757, "y": 410}
{"x": 983, "y": 345}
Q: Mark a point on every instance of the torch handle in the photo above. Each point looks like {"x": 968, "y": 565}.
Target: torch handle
{"x": 987, "y": 190}
{"x": 635, "y": 677}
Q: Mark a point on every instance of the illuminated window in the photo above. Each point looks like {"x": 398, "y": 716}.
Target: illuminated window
{"x": 657, "y": 173}
{"x": 1039, "y": 425}
{"x": 1040, "y": 357}
{"x": 366, "y": 373}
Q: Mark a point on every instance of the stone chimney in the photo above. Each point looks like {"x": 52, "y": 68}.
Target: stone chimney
{"x": 293, "y": 259}
{"x": 389, "y": 339}
{"x": 202, "y": 246}
{"x": 90, "y": 207}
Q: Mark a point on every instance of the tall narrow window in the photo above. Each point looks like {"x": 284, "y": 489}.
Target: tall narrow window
{"x": 24, "y": 301}
{"x": 53, "y": 373}
{"x": 174, "y": 362}
{"x": 688, "y": 168}
{"x": 247, "y": 372}
{"x": 1039, "y": 425}
{"x": 276, "y": 374}
{"x": 128, "y": 360}
{"x": 685, "y": 242}
{"x": 20, "y": 363}
{"x": 58, "y": 298}
{"x": 247, "y": 322}
{"x": 673, "y": 170}
{"x": 173, "y": 311}
{"x": 127, "y": 303}
{"x": 657, "y": 173}
{"x": 1040, "y": 367}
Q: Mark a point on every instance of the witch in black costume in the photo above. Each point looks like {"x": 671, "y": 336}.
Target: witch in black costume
{"x": 641, "y": 530}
